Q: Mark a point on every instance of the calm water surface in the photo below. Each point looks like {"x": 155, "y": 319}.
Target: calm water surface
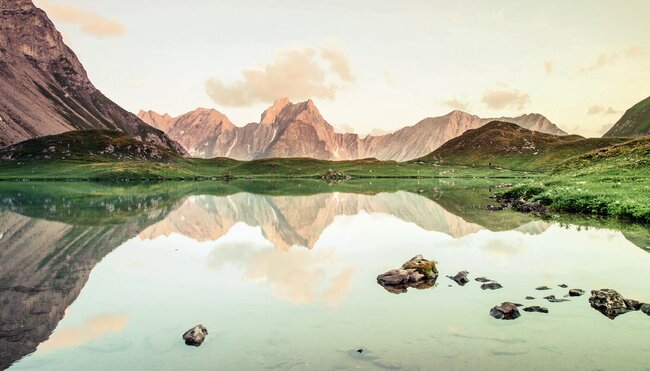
{"x": 287, "y": 282}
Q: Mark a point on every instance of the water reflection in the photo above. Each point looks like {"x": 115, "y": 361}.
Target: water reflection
{"x": 228, "y": 249}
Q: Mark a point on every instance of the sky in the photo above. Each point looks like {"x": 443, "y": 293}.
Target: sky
{"x": 380, "y": 64}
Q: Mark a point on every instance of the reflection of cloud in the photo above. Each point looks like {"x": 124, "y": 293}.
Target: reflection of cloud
{"x": 294, "y": 73}
{"x": 90, "y": 22}
{"x": 456, "y": 104}
{"x": 293, "y": 275}
{"x": 339, "y": 288}
{"x": 499, "y": 247}
{"x": 504, "y": 97}
{"x": 93, "y": 328}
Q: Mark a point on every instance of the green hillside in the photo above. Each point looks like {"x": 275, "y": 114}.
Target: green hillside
{"x": 635, "y": 122}
{"x": 506, "y": 145}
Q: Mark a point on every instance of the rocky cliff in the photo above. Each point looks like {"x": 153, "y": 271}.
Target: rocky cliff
{"x": 45, "y": 90}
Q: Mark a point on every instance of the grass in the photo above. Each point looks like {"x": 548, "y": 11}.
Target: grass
{"x": 220, "y": 168}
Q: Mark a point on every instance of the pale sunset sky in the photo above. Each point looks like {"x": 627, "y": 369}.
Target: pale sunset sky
{"x": 367, "y": 64}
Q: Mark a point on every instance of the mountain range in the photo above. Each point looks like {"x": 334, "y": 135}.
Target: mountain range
{"x": 45, "y": 90}
{"x": 289, "y": 129}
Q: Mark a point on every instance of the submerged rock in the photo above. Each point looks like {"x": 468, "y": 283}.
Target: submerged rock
{"x": 418, "y": 273}
{"x": 645, "y": 308}
{"x": 576, "y": 292}
{"x": 506, "y": 311}
{"x": 611, "y": 304}
{"x": 564, "y": 286}
{"x": 460, "y": 278}
{"x": 553, "y": 299}
{"x": 536, "y": 308}
{"x": 491, "y": 286}
{"x": 482, "y": 279}
{"x": 195, "y": 336}
{"x": 530, "y": 298}
{"x": 543, "y": 288}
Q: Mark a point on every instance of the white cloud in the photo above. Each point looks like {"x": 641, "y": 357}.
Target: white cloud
{"x": 90, "y": 22}
{"x": 294, "y": 73}
{"x": 504, "y": 97}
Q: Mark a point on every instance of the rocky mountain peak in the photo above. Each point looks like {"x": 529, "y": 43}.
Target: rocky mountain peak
{"x": 270, "y": 115}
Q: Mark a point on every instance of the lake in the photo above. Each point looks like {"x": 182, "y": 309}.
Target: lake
{"x": 283, "y": 275}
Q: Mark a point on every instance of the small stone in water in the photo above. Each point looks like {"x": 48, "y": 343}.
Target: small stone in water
{"x": 576, "y": 292}
{"x": 506, "y": 310}
{"x": 491, "y": 286}
{"x": 530, "y": 298}
{"x": 543, "y": 288}
{"x": 536, "y": 308}
{"x": 482, "y": 279}
{"x": 563, "y": 286}
{"x": 195, "y": 336}
{"x": 360, "y": 350}
{"x": 553, "y": 299}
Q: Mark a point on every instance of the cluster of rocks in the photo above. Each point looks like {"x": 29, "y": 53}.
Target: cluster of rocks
{"x": 417, "y": 272}
{"x": 519, "y": 204}
{"x": 335, "y": 175}
{"x": 421, "y": 273}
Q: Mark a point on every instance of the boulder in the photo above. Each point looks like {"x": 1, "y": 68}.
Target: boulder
{"x": 491, "y": 286}
{"x": 536, "y": 308}
{"x": 460, "y": 278}
{"x": 505, "y": 311}
{"x": 195, "y": 336}
{"x": 422, "y": 265}
{"x": 576, "y": 292}
{"x": 418, "y": 273}
{"x": 610, "y": 303}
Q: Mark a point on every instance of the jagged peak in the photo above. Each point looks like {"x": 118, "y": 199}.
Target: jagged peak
{"x": 270, "y": 114}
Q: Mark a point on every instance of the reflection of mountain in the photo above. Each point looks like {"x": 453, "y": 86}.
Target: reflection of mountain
{"x": 45, "y": 264}
{"x": 300, "y": 220}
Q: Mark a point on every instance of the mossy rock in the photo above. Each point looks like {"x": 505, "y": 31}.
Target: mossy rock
{"x": 422, "y": 265}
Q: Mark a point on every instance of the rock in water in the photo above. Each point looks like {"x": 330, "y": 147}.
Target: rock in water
{"x": 482, "y": 279}
{"x": 460, "y": 278}
{"x": 564, "y": 286}
{"x": 530, "y": 298}
{"x": 645, "y": 308}
{"x": 418, "y": 273}
{"x": 610, "y": 303}
{"x": 576, "y": 292}
{"x": 553, "y": 299}
{"x": 543, "y": 288}
{"x": 491, "y": 286}
{"x": 536, "y": 308}
{"x": 195, "y": 336}
{"x": 506, "y": 311}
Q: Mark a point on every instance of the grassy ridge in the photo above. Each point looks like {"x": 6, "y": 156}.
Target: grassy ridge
{"x": 635, "y": 121}
{"x": 506, "y": 145}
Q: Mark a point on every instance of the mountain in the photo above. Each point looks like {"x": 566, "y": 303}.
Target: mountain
{"x": 504, "y": 144}
{"x": 299, "y": 130}
{"x": 635, "y": 121}
{"x": 45, "y": 90}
